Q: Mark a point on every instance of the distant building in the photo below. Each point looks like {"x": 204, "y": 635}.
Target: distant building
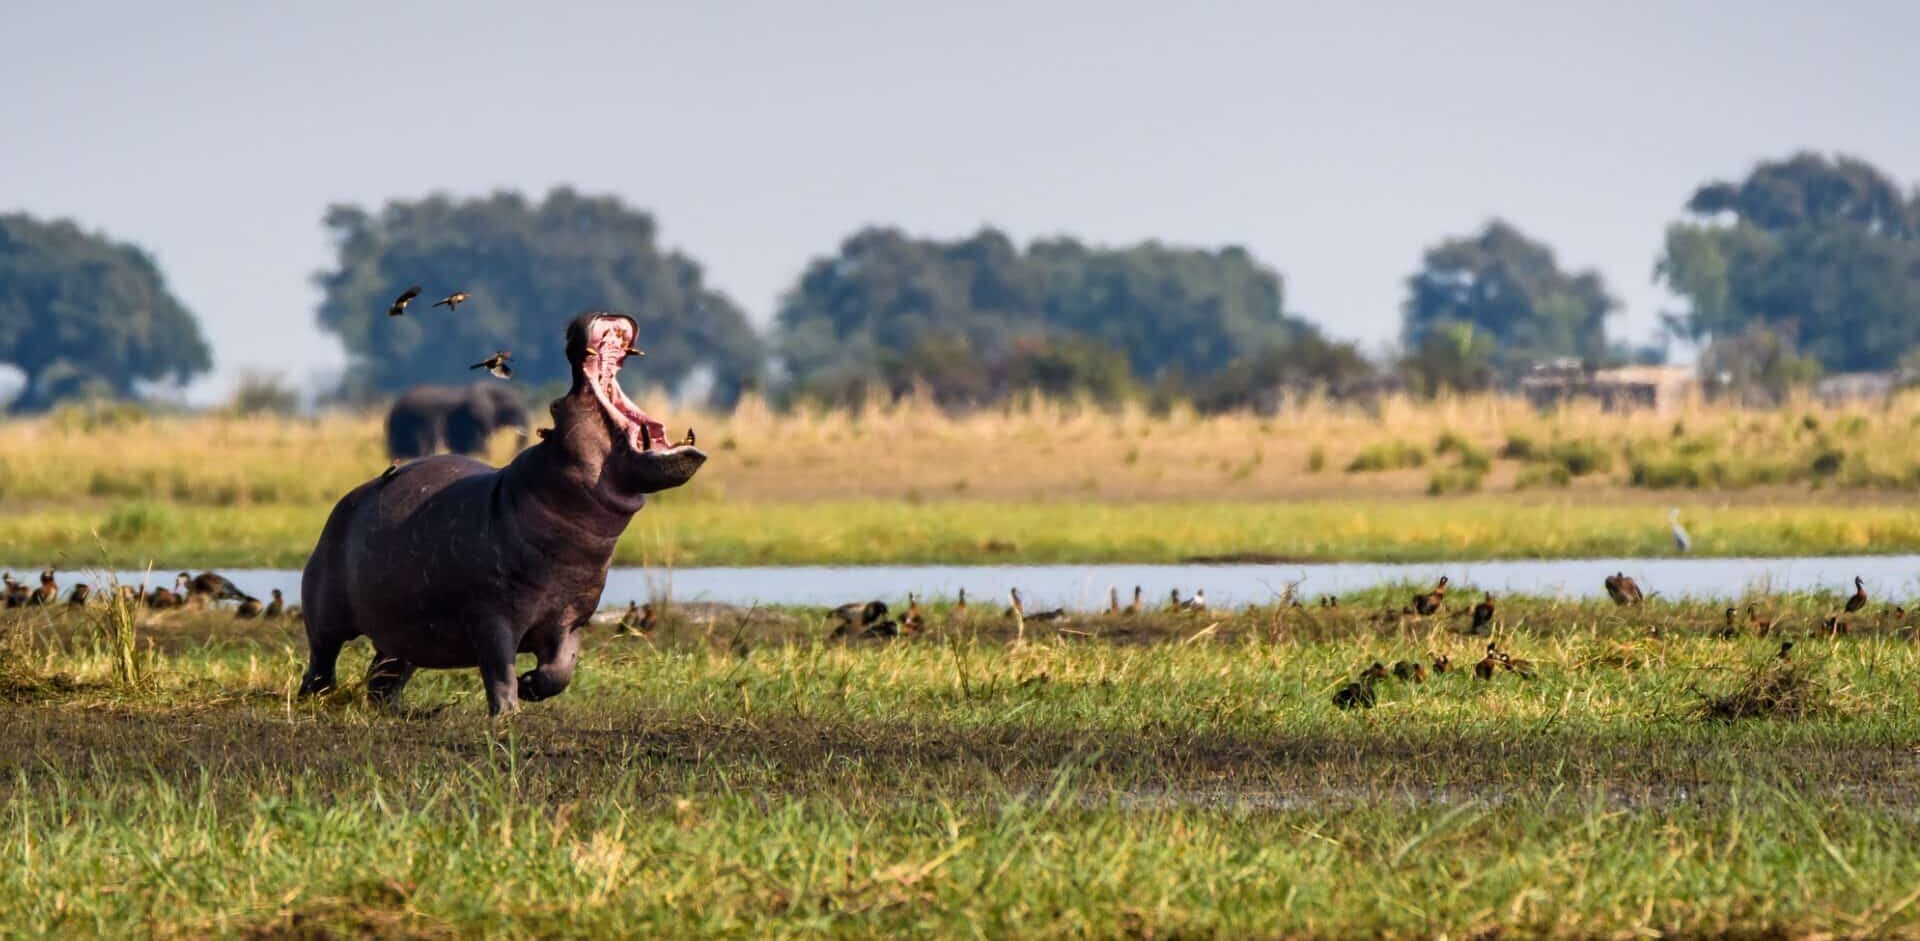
{"x": 1849, "y": 388}
{"x": 1627, "y": 388}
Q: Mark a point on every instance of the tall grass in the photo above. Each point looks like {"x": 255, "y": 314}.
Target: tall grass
{"x": 1037, "y": 450}
{"x": 1048, "y": 482}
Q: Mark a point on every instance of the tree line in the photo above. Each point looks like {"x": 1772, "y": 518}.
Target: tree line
{"x": 1809, "y": 263}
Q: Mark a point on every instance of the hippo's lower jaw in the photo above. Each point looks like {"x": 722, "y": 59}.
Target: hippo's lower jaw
{"x": 654, "y": 471}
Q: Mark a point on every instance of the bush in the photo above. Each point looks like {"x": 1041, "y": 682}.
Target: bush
{"x": 1474, "y": 459}
{"x": 262, "y": 394}
{"x": 1580, "y": 458}
{"x": 1828, "y": 462}
{"x": 1453, "y": 480}
{"x": 1518, "y": 448}
{"x": 1664, "y": 474}
{"x": 1392, "y": 455}
{"x": 1542, "y": 475}
{"x": 1316, "y": 460}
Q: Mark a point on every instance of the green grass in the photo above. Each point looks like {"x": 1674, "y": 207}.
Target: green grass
{"x": 1163, "y": 775}
{"x": 685, "y": 531}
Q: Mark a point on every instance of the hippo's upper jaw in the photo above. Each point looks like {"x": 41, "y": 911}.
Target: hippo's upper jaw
{"x": 599, "y": 426}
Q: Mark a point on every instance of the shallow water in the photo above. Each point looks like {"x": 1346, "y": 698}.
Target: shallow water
{"x": 1084, "y": 587}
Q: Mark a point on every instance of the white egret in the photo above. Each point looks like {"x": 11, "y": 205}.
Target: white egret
{"x": 1680, "y": 540}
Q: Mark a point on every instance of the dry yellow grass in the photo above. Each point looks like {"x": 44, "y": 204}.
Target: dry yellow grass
{"x": 1043, "y": 451}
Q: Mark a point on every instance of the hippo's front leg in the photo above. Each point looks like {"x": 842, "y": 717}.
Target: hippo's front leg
{"x": 557, "y": 653}
{"x": 496, "y": 651}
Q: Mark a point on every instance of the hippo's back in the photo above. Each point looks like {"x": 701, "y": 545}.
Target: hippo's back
{"x": 394, "y": 552}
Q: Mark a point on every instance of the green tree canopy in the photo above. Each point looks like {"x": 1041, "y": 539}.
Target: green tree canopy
{"x": 1510, "y": 290}
{"x": 529, "y": 268}
{"x": 1824, "y": 253}
{"x": 886, "y": 296}
{"x": 81, "y": 314}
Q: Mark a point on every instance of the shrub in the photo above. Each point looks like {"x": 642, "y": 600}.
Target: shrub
{"x": 1392, "y": 455}
{"x": 1827, "y": 462}
{"x": 1664, "y": 474}
{"x": 1518, "y": 448}
{"x": 1580, "y": 458}
{"x": 1453, "y": 480}
{"x": 1542, "y": 475}
{"x": 1316, "y": 460}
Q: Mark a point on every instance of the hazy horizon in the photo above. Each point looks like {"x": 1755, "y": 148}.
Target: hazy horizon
{"x": 1335, "y": 145}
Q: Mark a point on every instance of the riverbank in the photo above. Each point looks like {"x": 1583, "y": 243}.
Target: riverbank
{"x": 678, "y": 531}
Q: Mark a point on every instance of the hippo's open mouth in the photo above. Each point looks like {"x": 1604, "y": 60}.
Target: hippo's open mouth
{"x": 609, "y": 339}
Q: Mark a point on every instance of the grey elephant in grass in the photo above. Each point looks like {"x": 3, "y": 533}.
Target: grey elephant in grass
{"x": 428, "y": 419}
{"x": 450, "y": 562}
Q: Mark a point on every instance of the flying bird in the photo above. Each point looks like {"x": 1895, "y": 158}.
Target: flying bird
{"x": 451, "y": 301}
{"x": 400, "y": 303}
{"x": 1680, "y": 539}
{"x": 496, "y": 364}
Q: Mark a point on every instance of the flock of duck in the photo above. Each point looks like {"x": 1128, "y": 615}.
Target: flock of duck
{"x": 188, "y": 591}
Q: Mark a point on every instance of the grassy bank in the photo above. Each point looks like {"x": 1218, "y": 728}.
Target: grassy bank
{"x": 687, "y": 532}
{"x": 913, "y": 452}
{"x": 1457, "y": 479}
{"x": 740, "y": 774}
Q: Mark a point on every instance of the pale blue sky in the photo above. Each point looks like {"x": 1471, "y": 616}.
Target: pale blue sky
{"x": 1333, "y": 140}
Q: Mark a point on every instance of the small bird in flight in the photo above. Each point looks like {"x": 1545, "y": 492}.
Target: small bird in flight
{"x": 496, "y": 364}
{"x": 452, "y": 301}
{"x": 400, "y": 303}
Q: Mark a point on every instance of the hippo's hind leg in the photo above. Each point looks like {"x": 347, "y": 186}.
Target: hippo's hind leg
{"x": 557, "y": 657}
{"x": 387, "y": 675}
{"x": 327, "y": 632}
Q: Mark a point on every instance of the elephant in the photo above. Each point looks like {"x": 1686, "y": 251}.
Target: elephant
{"x": 426, "y": 419}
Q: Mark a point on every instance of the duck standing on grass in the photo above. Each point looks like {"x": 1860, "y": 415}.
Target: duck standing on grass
{"x": 1623, "y": 590}
{"x": 17, "y": 593}
{"x": 1855, "y": 602}
{"x": 1483, "y": 617}
{"x": 275, "y": 608}
{"x": 1428, "y": 603}
{"x": 1492, "y": 661}
{"x": 48, "y": 592}
{"x": 1359, "y": 694}
{"x": 79, "y": 595}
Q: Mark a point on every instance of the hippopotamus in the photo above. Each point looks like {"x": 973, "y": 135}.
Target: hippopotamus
{"x": 450, "y": 562}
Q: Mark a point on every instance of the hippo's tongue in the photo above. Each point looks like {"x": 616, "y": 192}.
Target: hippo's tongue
{"x": 608, "y": 340}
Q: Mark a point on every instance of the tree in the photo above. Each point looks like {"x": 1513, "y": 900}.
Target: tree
{"x": 1510, "y": 290}
{"x": 1166, "y": 311}
{"x": 1824, "y": 253}
{"x": 81, "y": 314}
{"x": 528, "y": 268}
{"x": 1307, "y": 364}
